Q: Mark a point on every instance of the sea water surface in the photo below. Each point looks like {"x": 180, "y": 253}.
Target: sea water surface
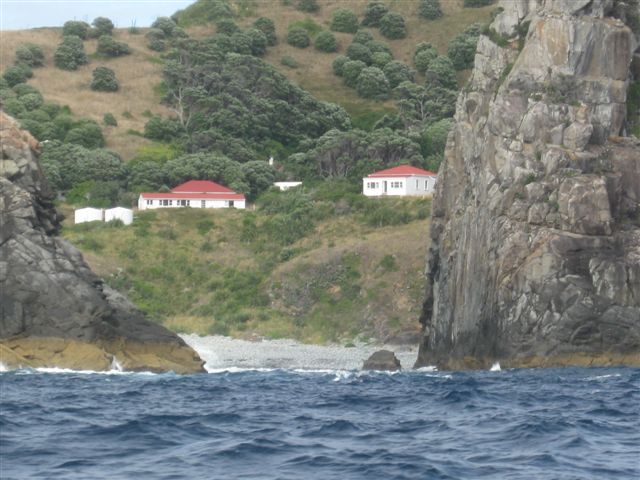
{"x": 271, "y": 423}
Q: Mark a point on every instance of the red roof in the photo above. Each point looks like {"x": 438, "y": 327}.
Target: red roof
{"x": 193, "y": 196}
{"x": 402, "y": 171}
{"x": 201, "y": 186}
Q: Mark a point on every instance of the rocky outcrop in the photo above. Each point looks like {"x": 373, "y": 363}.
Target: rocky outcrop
{"x": 54, "y": 310}
{"x": 382, "y": 360}
{"x": 535, "y": 254}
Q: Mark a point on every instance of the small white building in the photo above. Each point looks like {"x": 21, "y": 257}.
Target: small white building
{"x": 284, "y": 186}
{"x": 194, "y": 194}
{"x": 125, "y": 215}
{"x": 403, "y": 180}
{"x": 88, "y": 214}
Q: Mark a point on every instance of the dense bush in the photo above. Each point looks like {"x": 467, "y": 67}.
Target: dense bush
{"x": 70, "y": 53}
{"x": 266, "y": 26}
{"x": 326, "y": 42}
{"x": 441, "y": 72}
{"x": 227, "y": 26}
{"x": 429, "y": 9}
{"x": 156, "y": 40}
{"x": 102, "y": 26}
{"x": 373, "y": 13}
{"x": 344, "y": 20}
{"x": 380, "y": 59}
{"x": 477, "y": 3}
{"x": 338, "y": 63}
{"x": 376, "y": 46}
{"x": 462, "y": 48}
{"x": 308, "y": 5}
{"x": 165, "y": 24}
{"x": 29, "y": 54}
{"x": 434, "y": 137}
{"x": 392, "y": 26}
{"x": 31, "y": 101}
{"x": 87, "y": 134}
{"x": 104, "y": 80}
{"x": 358, "y": 51}
{"x": 257, "y": 42}
{"x": 109, "y": 120}
{"x": 298, "y": 37}
{"x": 78, "y": 29}
{"x": 109, "y": 47}
{"x": 363, "y": 36}
{"x": 351, "y": 71}
{"x": 397, "y": 72}
{"x": 162, "y": 129}
{"x": 289, "y": 61}
{"x": 372, "y": 83}
{"x": 17, "y": 74}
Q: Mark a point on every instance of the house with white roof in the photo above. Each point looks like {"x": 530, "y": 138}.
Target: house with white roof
{"x": 194, "y": 194}
{"x": 403, "y": 180}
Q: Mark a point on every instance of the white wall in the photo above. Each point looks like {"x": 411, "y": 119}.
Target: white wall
{"x": 119, "y": 213}
{"x": 286, "y": 185}
{"x": 398, "y": 186}
{"x": 193, "y": 203}
{"x": 88, "y": 214}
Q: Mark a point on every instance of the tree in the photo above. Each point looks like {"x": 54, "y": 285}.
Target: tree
{"x": 258, "y": 42}
{"x": 363, "y": 36}
{"x": 397, "y": 72}
{"x": 420, "y": 105}
{"x": 423, "y": 57}
{"x": 326, "y": 42}
{"x": 429, "y": 9}
{"x": 344, "y": 20}
{"x": 156, "y": 40}
{"x": 78, "y": 29}
{"x": 380, "y": 59}
{"x": 70, "y": 53}
{"x": 462, "y": 49}
{"x": 440, "y": 72}
{"x": 104, "y": 80}
{"x": 266, "y": 26}
{"x": 103, "y": 26}
{"x": 259, "y": 175}
{"x": 373, "y": 13}
{"x": 165, "y": 24}
{"x": 351, "y": 71}
{"x": 434, "y": 137}
{"x": 310, "y": 6}
{"x": 87, "y": 134}
{"x": 376, "y": 46}
{"x": 29, "y": 54}
{"x": 162, "y": 129}
{"x": 16, "y": 74}
{"x": 392, "y": 26}
{"x": 31, "y": 101}
{"x": 109, "y": 47}
{"x": 338, "y": 63}
{"x": 358, "y": 51}
{"x": 372, "y": 83}
{"x": 298, "y": 37}
{"x": 477, "y": 3}
{"x": 227, "y": 26}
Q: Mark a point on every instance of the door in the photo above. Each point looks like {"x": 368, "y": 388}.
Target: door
{"x": 384, "y": 187}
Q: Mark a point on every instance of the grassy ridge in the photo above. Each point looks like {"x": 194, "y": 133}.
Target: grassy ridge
{"x": 200, "y": 271}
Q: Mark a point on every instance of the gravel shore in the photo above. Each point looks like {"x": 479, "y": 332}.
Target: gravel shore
{"x": 221, "y": 353}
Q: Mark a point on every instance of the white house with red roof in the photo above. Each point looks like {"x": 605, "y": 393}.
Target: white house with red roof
{"x": 403, "y": 180}
{"x": 194, "y": 194}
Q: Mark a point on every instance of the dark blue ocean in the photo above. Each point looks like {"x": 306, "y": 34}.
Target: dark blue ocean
{"x": 518, "y": 424}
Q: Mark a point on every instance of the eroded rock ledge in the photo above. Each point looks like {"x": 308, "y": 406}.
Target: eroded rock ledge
{"x": 54, "y": 311}
{"x": 535, "y": 253}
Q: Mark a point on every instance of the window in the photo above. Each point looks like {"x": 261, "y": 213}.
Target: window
{"x": 149, "y": 202}
{"x": 183, "y": 203}
{"x": 372, "y": 185}
{"x": 417, "y": 184}
{"x": 164, "y": 203}
{"x": 396, "y": 184}
{"x": 203, "y": 204}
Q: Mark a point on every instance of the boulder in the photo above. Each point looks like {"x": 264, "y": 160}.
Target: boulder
{"x": 55, "y": 311}
{"x": 383, "y": 360}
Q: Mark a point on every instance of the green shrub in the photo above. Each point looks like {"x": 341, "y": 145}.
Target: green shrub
{"x": 227, "y": 26}
{"x": 425, "y": 53}
{"x": 14, "y": 107}
{"x": 434, "y": 137}
{"x": 462, "y": 50}
{"x": 257, "y": 42}
{"x": 344, "y": 20}
{"x": 165, "y": 24}
{"x": 289, "y": 61}
{"x": 87, "y": 134}
{"x": 104, "y": 80}
{"x": 392, "y": 26}
{"x": 441, "y": 73}
{"x": 110, "y": 120}
{"x": 363, "y": 37}
{"x": 76, "y": 28}
{"x": 70, "y": 53}
{"x": 372, "y": 83}
{"x": 32, "y": 101}
{"x": 16, "y": 74}
{"x": 298, "y": 37}
{"x": 156, "y": 40}
{"x": 373, "y": 13}
{"x": 266, "y": 26}
{"x": 338, "y": 63}
{"x": 310, "y": 6}
{"x": 380, "y": 59}
{"x": 326, "y": 42}
{"x": 351, "y": 71}
{"x": 109, "y": 47}
{"x": 477, "y": 3}
{"x": 29, "y": 54}
{"x": 429, "y": 9}
{"x": 103, "y": 26}
{"x": 397, "y": 72}
{"x": 358, "y": 51}
{"x": 162, "y": 129}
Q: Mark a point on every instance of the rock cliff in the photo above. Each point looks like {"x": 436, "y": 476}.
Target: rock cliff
{"x": 53, "y": 310}
{"x": 535, "y": 252}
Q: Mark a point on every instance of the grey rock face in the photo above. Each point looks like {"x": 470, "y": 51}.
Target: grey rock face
{"x": 383, "y": 360}
{"x": 536, "y": 218}
{"x": 46, "y": 288}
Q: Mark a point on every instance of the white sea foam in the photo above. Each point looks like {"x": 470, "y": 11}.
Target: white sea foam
{"x": 3, "y": 368}
{"x": 495, "y": 367}
{"x": 222, "y": 353}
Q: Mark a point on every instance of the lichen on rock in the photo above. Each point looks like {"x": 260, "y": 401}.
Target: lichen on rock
{"x": 535, "y": 235}
{"x": 54, "y": 311}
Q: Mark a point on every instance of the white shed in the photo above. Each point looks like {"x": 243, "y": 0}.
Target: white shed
{"x": 88, "y": 214}
{"x": 119, "y": 213}
{"x": 284, "y": 186}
